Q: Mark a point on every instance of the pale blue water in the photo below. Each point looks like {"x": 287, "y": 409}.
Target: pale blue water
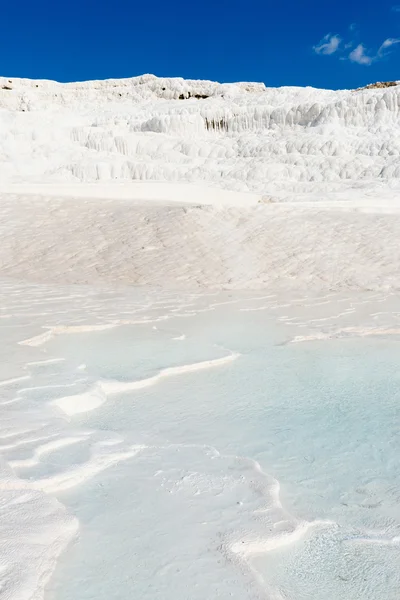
{"x": 322, "y": 418}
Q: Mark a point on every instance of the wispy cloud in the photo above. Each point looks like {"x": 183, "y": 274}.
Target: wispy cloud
{"x": 332, "y": 43}
{"x": 328, "y": 45}
{"x": 387, "y": 44}
{"x": 358, "y": 55}
{"x": 396, "y": 8}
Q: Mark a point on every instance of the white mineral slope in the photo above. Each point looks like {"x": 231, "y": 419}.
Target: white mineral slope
{"x": 302, "y": 185}
{"x": 273, "y": 246}
{"x": 281, "y": 143}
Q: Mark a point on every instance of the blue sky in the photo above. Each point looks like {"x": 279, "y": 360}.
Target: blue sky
{"x": 341, "y": 44}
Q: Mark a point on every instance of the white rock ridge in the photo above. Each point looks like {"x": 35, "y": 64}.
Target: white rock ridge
{"x": 283, "y": 143}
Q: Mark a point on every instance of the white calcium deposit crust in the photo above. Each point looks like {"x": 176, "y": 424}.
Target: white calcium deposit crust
{"x": 241, "y": 136}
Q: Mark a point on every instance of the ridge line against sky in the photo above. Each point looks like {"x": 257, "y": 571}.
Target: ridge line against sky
{"x": 257, "y": 40}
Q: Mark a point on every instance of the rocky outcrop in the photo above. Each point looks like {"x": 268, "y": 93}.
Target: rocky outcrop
{"x": 378, "y": 85}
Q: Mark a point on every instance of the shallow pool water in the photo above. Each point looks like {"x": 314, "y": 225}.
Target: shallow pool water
{"x": 276, "y": 475}
{"x": 167, "y": 446}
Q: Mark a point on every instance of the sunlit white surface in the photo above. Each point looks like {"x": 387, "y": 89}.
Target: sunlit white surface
{"x": 262, "y": 464}
{"x": 275, "y": 142}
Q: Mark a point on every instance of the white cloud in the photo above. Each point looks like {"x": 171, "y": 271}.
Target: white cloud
{"x": 328, "y": 45}
{"x": 359, "y": 56}
{"x": 396, "y": 8}
{"x": 352, "y": 50}
{"x": 387, "y": 44}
